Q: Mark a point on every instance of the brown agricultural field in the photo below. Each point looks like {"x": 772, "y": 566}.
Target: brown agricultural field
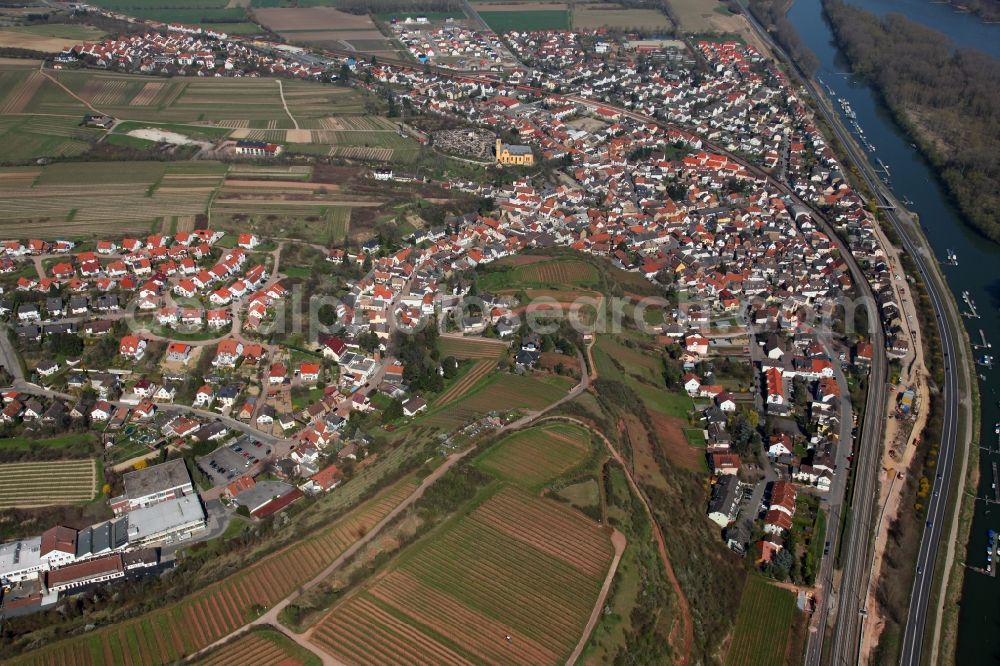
{"x": 24, "y": 40}
{"x": 697, "y": 16}
{"x": 312, "y": 19}
{"x": 670, "y": 432}
{"x": 591, "y": 16}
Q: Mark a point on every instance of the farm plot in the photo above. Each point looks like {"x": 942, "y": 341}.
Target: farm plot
{"x": 471, "y": 347}
{"x": 524, "y": 16}
{"x": 375, "y": 145}
{"x": 699, "y": 16}
{"x": 148, "y": 94}
{"x": 562, "y": 279}
{"x": 317, "y": 222}
{"x": 479, "y": 370}
{"x": 324, "y": 26}
{"x": 557, "y": 272}
{"x": 168, "y": 634}
{"x": 20, "y": 88}
{"x": 763, "y": 625}
{"x": 264, "y": 647}
{"x": 34, "y": 484}
{"x": 59, "y": 34}
{"x": 83, "y": 200}
{"x": 455, "y": 598}
{"x": 501, "y": 392}
{"x": 27, "y": 138}
{"x": 204, "y": 12}
{"x": 270, "y": 172}
{"x": 538, "y": 455}
{"x": 230, "y": 102}
{"x": 633, "y": 361}
{"x": 593, "y": 16}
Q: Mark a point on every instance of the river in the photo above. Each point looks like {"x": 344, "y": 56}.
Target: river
{"x": 912, "y": 179}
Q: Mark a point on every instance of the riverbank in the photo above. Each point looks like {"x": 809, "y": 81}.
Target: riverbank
{"x": 988, "y": 11}
{"x": 942, "y": 97}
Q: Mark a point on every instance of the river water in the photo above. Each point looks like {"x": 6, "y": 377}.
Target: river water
{"x": 978, "y": 271}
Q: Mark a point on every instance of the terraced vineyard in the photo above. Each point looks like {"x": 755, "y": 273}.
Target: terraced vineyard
{"x": 517, "y": 566}
{"x": 537, "y": 455}
{"x": 34, "y": 484}
{"x": 169, "y": 634}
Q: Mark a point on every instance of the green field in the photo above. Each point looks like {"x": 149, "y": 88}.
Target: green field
{"x": 763, "y": 625}
{"x": 501, "y": 391}
{"x": 60, "y": 441}
{"x": 536, "y": 456}
{"x": 634, "y": 361}
{"x": 552, "y": 274}
{"x": 676, "y": 404}
{"x": 207, "y": 13}
{"x": 542, "y": 19}
{"x": 319, "y": 223}
{"x": 25, "y": 138}
{"x": 63, "y": 30}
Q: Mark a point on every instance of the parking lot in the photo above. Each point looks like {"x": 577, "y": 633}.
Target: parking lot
{"x": 245, "y": 455}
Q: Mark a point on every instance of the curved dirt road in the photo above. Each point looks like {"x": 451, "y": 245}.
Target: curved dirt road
{"x": 661, "y": 544}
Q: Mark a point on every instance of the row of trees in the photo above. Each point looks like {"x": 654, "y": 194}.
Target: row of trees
{"x": 948, "y": 99}
{"x": 772, "y": 15}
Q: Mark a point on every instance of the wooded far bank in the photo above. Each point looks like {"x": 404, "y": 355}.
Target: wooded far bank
{"x": 947, "y": 99}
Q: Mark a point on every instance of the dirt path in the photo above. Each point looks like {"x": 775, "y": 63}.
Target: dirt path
{"x": 901, "y": 443}
{"x": 661, "y": 544}
{"x": 619, "y": 541}
{"x": 68, "y": 91}
{"x": 281, "y": 92}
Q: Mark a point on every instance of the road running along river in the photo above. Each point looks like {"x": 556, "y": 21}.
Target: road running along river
{"x": 912, "y": 178}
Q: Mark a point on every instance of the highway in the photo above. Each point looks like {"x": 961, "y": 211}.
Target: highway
{"x": 850, "y": 624}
